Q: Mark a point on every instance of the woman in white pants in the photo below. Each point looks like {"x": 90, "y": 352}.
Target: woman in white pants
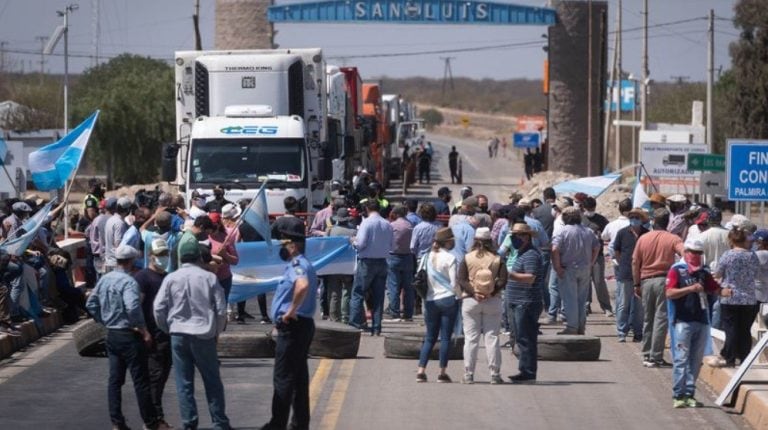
{"x": 482, "y": 277}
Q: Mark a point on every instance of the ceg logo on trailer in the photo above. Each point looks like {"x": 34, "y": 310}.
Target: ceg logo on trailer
{"x": 250, "y": 129}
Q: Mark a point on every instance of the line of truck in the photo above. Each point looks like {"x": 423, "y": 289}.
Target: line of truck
{"x": 284, "y": 117}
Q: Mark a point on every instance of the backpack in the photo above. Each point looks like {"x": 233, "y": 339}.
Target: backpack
{"x": 483, "y": 281}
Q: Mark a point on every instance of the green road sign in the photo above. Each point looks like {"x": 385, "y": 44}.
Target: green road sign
{"x": 706, "y": 162}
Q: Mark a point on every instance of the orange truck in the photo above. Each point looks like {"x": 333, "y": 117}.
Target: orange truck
{"x": 377, "y": 134}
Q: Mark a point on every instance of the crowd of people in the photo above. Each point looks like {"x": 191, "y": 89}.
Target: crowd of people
{"x": 158, "y": 276}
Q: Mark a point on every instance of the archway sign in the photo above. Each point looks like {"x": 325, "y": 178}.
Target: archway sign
{"x": 412, "y": 12}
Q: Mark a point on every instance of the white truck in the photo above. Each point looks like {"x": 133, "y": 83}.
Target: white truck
{"x": 249, "y": 116}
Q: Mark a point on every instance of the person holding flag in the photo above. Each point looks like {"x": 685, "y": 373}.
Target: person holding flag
{"x": 223, "y": 245}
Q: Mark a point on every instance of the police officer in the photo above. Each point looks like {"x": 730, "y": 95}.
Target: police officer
{"x": 293, "y": 308}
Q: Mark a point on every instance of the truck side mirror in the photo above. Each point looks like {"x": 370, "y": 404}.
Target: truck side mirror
{"x": 324, "y": 169}
{"x": 168, "y": 171}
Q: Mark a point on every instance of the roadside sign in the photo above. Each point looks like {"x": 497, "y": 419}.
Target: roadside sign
{"x": 669, "y": 159}
{"x": 747, "y": 170}
{"x": 531, "y": 123}
{"x": 465, "y": 121}
{"x": 622, "y": 95}
{"x": 526, "y": 140}
{"x": 713, "y": 183}
{"x": 706, "y": 162}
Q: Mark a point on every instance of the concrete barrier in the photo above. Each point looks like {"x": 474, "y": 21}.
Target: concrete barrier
{"x": 29, "y": 334}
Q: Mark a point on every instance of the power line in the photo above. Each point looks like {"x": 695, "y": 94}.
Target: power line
{"x": 532, "y": 43}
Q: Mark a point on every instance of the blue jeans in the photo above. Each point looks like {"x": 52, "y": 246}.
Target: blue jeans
{"x": 574, "y": 288}
{"x": 190, "y": 352}
{"x": 440, "y": 318}
{"x": 555, "y": 303}
{"x": 527, "y": 334}
{"x": 126, "y": 352}
{"x": 629, "y": 310}
{"x": 371, "y": 275}
{"x": 399, "y": 279}
{"x": 690, "y": 341}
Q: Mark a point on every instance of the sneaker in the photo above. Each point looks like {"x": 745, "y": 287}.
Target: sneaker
{"x": 443, "y": 377}
{"x": 522, "y": 379}
{"x": 551, "y": 320}
{"x": 715, "y": 361}
{"x": 10, "y": 330}
{"x": 693, "y": 403}
{"x": 679, "y": 403}
{"x": 647, "y": 362}
{"x": 409, "y": 320}
{"x": 663, "y": 363}
{"x": 609, "y": 314}
{"x": 496, "y": 379}
{"x": 421, "y": 377}
{"x": 568, "y": 331}
{"x": 468, "y": 379}
{"x": 264, "y": 320}
{"x": 622, "y": 338}
{"x": 240, "y": 319}
{"x": 637, "y": 339}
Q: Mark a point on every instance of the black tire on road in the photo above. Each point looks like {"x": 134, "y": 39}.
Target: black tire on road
{"x": 408, "y": 346}
{"x": 568, "y": 348}
{"x": 90, "y": 339}
{"x": 245, "y": 345}
{"x": 334, "y": 340}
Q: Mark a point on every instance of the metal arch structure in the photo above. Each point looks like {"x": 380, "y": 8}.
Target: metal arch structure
{"x": 468, "y": 12}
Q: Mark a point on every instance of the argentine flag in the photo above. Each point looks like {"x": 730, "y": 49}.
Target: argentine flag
{"x": 31, "y": 226}
{"x": 54, "y": 164}
{"x": 257, "y": 215}
{"x": 639, "y": 197}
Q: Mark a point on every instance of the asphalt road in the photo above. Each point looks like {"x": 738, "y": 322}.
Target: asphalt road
{"x": 49, "y": 386}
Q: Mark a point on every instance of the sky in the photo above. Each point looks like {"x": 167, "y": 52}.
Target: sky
{"x": 157, "y": 28}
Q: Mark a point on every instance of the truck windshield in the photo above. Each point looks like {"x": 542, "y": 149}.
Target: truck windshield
{"x": 248, "y": 161}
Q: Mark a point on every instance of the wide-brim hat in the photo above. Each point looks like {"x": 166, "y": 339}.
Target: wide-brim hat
{"x": 658, "y": 198}
{"x": 231, "y": 211}
{"x": 638, "y": 212}
{"x": 444, "y": 234}
{"x": 677, "y": 198}
{"x": 521, "y": 228}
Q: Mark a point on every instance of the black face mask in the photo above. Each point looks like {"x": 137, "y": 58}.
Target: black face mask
{"x": 285, "y": 255}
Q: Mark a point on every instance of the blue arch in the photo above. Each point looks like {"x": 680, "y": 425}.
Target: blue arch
{"x": 412, "y": 12}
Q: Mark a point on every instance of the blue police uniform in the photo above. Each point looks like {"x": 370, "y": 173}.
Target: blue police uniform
{"x": 291, "y": 373}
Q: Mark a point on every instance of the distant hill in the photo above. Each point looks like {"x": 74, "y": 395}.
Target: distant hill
{"x": 512, "y": 97}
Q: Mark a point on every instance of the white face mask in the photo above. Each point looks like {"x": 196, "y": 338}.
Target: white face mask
{"x": 589, "y": 214}
{"x": 554, "y": 213}
{"x": 161, "y": 261}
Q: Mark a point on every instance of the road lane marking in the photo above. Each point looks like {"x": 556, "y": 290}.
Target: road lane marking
{"x": 318, "y": 381}
{"x": 338, "y": 394}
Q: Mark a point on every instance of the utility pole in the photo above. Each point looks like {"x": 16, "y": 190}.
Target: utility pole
{"x": 620, "y": 73}
{"x": 611, "y": 92}
{"x": 96, "y": 24}
{"x": 447, "y": 73}
{"x": 646, "y": 72}
{"x": 196, "y": 22}
{"x": 3, "y": 44}
{"x": 589, "y": 89}
{"x": 42, "y": 40}
{"x": 710, "y": 82}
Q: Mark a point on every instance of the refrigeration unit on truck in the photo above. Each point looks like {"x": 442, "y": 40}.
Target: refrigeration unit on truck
{"x": 250, "y": 116}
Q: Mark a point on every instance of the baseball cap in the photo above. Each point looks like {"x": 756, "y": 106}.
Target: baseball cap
{"x": 124, "y": 252}
{"x": 159, "y": 246}
{"x": 444, "y": 191}
{"x": 21, "y": 207}
{"x": 761, "y": 235}
{"x": 124, "y": 203}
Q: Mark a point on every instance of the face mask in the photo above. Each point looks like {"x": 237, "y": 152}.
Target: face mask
{"x": 589, "y": 214}
{"x": 517, "y": 242}
{"x": 636, "y": 223}
{"x": 693, "y": 261}
{"x": 554, "y": 213}
{"x": 161, "y": 261}
{"x": 285, "y": 255}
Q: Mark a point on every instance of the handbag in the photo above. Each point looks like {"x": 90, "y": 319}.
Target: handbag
{"x": 419, "y": 282}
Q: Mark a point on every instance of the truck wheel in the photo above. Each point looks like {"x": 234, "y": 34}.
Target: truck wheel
{"x": 90, "y": 339}
{"x": 568, "y": 348}
{"x": 245, "y": 345}
{"x": 334, "y": 340}
{"x": 408, "y": 346}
